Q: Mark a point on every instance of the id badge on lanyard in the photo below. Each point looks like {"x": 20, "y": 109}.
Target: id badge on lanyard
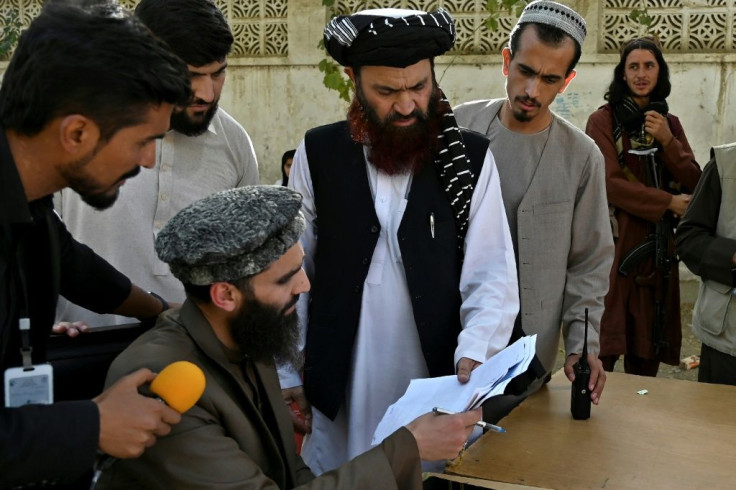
{"x": 28, "y": 384}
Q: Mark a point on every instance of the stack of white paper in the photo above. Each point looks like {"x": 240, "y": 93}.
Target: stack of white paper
{"x": 487, "y": 380}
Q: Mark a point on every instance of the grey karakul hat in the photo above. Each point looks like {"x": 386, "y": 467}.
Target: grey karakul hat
{"x": 231, "y": 234}
{"x": 389, "y": 37}
{"x": 556, "y": 15}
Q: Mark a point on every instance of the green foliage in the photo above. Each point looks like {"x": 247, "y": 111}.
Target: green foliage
{"x": 641, "y": 17}
{"x": 496, "y": 8}
{"x": 334, "y": 79}
{"x": 10, "y": 32}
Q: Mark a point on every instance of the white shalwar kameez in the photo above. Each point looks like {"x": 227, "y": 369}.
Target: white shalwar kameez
{"x": 387, "y": 352}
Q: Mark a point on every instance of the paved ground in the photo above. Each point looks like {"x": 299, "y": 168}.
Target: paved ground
{"x": 690, "y": 345}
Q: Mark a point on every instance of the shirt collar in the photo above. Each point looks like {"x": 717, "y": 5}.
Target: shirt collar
{"x": 211, "y": 128}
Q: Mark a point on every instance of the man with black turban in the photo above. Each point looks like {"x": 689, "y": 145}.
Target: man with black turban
{"x": 407, "y": 245}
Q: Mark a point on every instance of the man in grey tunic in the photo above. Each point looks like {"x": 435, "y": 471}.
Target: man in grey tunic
{"x": 552, "y": 180}
{"x": 206, "y": 151}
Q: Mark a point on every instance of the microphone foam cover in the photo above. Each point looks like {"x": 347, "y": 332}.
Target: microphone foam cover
{"x": 180, "y": 384}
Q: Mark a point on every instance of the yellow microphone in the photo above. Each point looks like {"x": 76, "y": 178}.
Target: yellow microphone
{"x": 179, "y": 385}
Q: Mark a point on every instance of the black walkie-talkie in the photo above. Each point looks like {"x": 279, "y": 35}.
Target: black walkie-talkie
{"x": 580, "y": 395}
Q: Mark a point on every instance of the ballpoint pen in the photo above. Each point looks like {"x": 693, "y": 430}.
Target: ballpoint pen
{"x": 485, "y": 425}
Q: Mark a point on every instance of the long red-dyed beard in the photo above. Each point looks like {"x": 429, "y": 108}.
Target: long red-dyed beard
{"x": 396, "y": 149}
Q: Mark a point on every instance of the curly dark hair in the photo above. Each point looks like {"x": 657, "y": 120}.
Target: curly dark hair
{"x": 618, "y": 89}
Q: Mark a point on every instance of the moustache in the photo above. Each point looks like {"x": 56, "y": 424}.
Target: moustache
{"x": 291, "y": 303}
{"x": 200, "y": 102}
{"x": 529, "y": 101}
{"x": 130, "y": 174}
{"x": 415, "y": 114}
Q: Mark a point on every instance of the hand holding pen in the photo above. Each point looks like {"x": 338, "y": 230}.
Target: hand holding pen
{"x": 484, "y": 425}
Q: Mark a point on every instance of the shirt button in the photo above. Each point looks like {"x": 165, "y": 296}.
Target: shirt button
{"x": 164, "y": 196}
{"x": 165, "y": 167}
{"x": 366, "y": 260}
{"x": 374, "y": 229}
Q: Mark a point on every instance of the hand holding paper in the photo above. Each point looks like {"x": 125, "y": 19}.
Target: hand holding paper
{"x": 488, "y": 379}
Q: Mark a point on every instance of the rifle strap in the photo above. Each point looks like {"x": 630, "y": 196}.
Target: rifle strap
{"x": 618, "y": 132}
{"x": 627, "y": 105}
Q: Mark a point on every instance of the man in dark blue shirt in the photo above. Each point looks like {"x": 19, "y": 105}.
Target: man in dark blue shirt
{"x": 74, "y": 112}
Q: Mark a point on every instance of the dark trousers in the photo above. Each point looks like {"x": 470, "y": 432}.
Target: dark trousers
{"x": 716, "y": 367}
{"x": 632, "y": 365}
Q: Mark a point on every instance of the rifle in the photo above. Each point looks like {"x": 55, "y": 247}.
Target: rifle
{"x": 656, "y": 245}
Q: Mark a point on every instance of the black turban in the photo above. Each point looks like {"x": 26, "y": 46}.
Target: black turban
{"x": 389, "y": 37}
{"x": 400, "y": 38}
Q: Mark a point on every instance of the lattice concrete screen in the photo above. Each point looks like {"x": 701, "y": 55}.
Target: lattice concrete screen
{"x": 260, "y": 27}
{"x": 687, "y": 26}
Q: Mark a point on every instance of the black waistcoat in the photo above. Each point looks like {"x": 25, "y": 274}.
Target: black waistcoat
{"x": 347, "y": 233}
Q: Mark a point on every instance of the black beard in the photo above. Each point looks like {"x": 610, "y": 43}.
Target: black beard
{"x": 83, "y": 186}
{"x": 181, "y": 123}
{"x": 522, "y": 116}
{"x": 265, "y": 333}
{"x": 100, "y": 201}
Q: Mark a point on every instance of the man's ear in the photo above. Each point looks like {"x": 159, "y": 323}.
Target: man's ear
{"x": 78, "y": 134}
{"x": 567, "y": 81}
{"x": 350, "y": 73}
{"x": 225, "y": 296}
{"x": 506, "y": 54}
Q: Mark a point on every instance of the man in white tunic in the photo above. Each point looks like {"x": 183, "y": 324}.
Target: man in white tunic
{"x": 407, "y": 244}
{"x": 206, "y": 151}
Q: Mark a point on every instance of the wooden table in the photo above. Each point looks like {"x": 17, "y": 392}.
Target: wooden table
{"x": 681, "y": 434}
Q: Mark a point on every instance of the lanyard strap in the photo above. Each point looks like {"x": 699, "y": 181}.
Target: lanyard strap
{"x": 25, "y": 336}
{"x": 24, "y": 322}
